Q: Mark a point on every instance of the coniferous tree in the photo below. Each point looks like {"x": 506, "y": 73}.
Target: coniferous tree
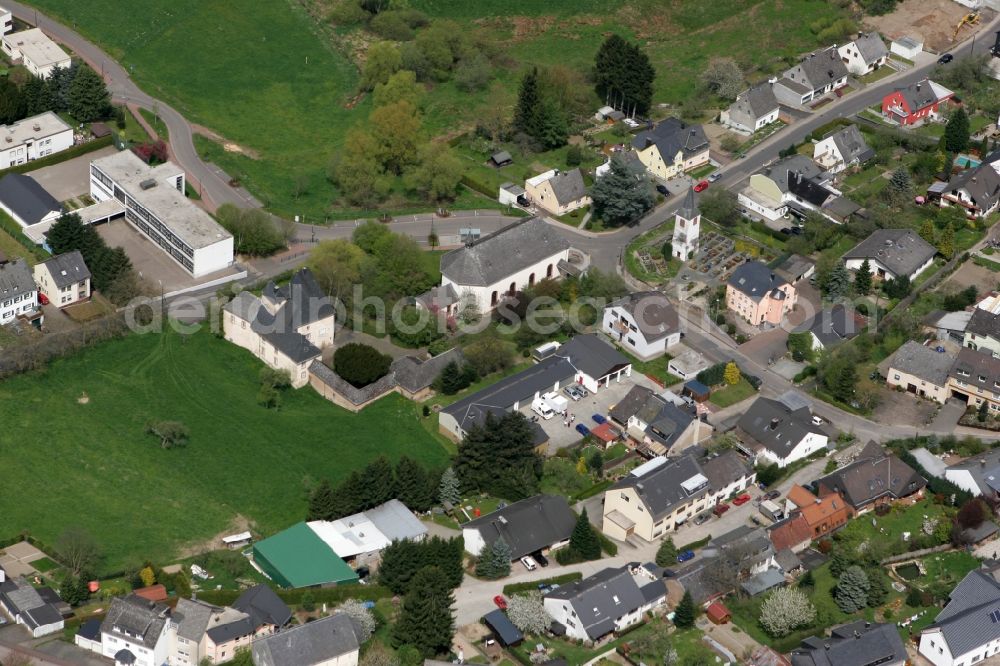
{"x": 13, "y": 106}
{"x": 946, "y": 243}
{"x": 863, "y": 279}
{"x": 619, "y": 197}
{"x": 505, "y": 443}
{"x": 425, "y": 621}
{"x": 494, "y": 561}
{"x": 88, "y": 97}
{"x": 399, "y": 561}
{"x": 413, "y": 486}
{"x": 37, "y": 97}
{"x": 349, "y": 496}
{"x": 852, "y": 590}
{"x": 956, "y": 132}
{"x": 838, "y": 283}
{"x": 927, "y": 231}
{"x": 321, "y": 502}
{"x": 583, "y": 541}
{"x": 448, "y": 489}
{"x": 59, "y": 82}
{"x": 623, "y": 76}
{"x": 380, "y": 483}
{"x": 666, "y": 554}
{"x": 684, "y": 614}
{"x": 529, "y": 102}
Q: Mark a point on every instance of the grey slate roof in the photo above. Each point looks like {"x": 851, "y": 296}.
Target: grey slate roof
{"x": 192, "y": 617}
{"x": 568, "y": 186}
{"x": 499, "y": 255}
{"x": 982, "y": 184}
{"x": 984, "y": 323}
{"x": 35, "y": 609}
{"x": 503, "y": 628}
{"x": 673, "y": 136}
{"x": 872, "y": 475}
{"x": 784, "y": 169}
{"x": 654, "y": 315}
{"x": 922, "y": 362}
{"x": 602, "y": 598}
{"x": 774, "y": 426}
{"x": 978, "y": 369}
{"x": 630, "y": 405}
{"x": 725, "y": 468}
{"x": 837, "y": 324}
{"x": 919, "y": 94}
{"x": 138, "y": 619}
{"x": 860, "y": 643}
{"x": 526, "y": 526}
{"x": 67, "y": 268}
{"x": 809, "y": 190}
{"x": 819, "y": 69}
{"x": 591, "y": 355}
{"x": 660, "y": 489}
{"x": 764, "y": 581}
{"x": 16, "y": 279}
{"x": 871, "y": 47}
{"x": 851, "y": 145}
{"x": 689, "y": 208}
{"x": 414, "y": 374}
{"x": 307, "y": 644}
{"x": 91, "y": 630}
{"x": 396, "y": 521}
{"x": 902, "y": 251}
{"x": 263, "y": 606}
{"x": 984, "y": 469}
{"x": 965, "y": 621}
{"x": 753, "y": 104}
{"x": 755, "y": 280}
{"x": 665, "y": 421}
{"x": 27, "y": 198}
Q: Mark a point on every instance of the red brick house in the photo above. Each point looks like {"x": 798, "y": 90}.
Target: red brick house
{"x": 916, "y": 103}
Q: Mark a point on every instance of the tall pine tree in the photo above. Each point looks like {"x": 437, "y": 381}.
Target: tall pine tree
{"x": 583, "y": 541}
{"x": 684, "y": 614}
{"x": 88, "y": 97}
{"x": 380, "y": 483}
{"x": 349, "y": 496}
{"x": 413, "y": 487}
{"x": 448, "y": 489}
{"x": 425, "y": 621}
{"x": 619, "y": 197}
{"x": 321, "y": 502}
{"x": 505, "y": 443}
{"x": 623, "y": 76}
{"x": 540, "y": 118}
{"x": 863, "y": 279}
{"x": 494, "y": 561}
{"x": 956, "y": 132}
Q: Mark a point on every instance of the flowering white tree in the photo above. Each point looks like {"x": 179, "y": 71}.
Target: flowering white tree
{"x": 786, "y": 609}
{"x": 528, "y": 613}
{"x": 364, "y": 621}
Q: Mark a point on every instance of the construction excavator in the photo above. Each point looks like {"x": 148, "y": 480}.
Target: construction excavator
{"x": 972, "y": 18}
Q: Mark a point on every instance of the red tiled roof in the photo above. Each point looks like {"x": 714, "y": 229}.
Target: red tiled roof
{"x": 718, "y": 613}
{"x": 152, "y": 593}
{"x": 791, "y": 533}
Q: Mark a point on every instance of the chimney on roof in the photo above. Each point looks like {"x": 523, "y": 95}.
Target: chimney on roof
{"x": 918, "y": 86}
{"x": 867, "y": 624}
{"x": 857, "y": 634}
{"x": 774, "y": 422}
{"x": 982, "y": 462}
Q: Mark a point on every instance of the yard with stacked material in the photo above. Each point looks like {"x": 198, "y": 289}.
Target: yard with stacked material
{"x": 87, "y": 462}
{"x": 281, "y": 81}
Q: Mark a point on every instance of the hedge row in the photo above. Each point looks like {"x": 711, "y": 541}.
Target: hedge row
{"x": 320, "y": 595}
{"x": 478, "y": 186}
{"x": 530, "y": 586}
{"x": 607, "y": 545}
{"x": 934, "y": 484}
{"x": 61, "y": 156}
{"x": 8, "y": 224}
{"x": 694, "y": 545}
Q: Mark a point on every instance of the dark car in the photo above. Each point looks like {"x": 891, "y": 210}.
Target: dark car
{"x": 669, "y": 573}
{"x": 796, "y": 231}
{"x": 662, "y": 189}
{"x": 786, "y": 230}
{"x": 772, "y": 494}
{"x": 702, "y": 518}
{"x": 598, "y": 418}
{"x": 720, "y": 509}
{"x": 685, "y": 556}
{"x": 582, "y": 429}
{"x": 945, "y": 59}
{"x": 541, "y": 559}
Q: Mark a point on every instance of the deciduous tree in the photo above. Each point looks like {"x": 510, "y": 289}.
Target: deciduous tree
{"x": 170, "y": 433}
{"x": 401, "y": 86}
{"x": 382, "y": 61}
{"x": 784, "y": 610}
{"x": 364, "y": 620}
{"x": 359, "y": 364}
{"x": 357, "y": 170}
{"x": 732, "y": 373}
{"x": 77, "y": 550}
{"x": 723, "y": 77}
{"x": 946, "y": 242}
{"x": 396, "y": 128}
{"x": 527, "y": 613}
{"x": 336, "y": 265}
{"x": 437, "y": 173}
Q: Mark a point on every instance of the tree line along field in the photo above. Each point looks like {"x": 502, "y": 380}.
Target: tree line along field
{"x": 282, "y": 81}
{"x": 88, "y": 463}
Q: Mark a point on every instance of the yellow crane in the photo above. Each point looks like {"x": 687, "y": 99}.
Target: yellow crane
{"x": 971, "y": 18}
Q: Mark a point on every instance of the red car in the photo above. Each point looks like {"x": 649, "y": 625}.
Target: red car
{"x": 43, "y": 299}
{"x": 742, "y": 499}
{"x": 720, "y": 509}
{"x": 500, "y": 602}
{"x": 703, "y": 185}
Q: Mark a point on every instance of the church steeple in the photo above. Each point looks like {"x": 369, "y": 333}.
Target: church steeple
{"x": 687, "y": 228}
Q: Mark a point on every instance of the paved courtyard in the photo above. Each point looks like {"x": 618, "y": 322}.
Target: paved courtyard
{"x": 903, "y": 408}
{"x": 16, "y": 559}
{"x": 70, "y": 179}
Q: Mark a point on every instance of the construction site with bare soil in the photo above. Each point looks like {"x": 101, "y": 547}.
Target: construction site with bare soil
{"x": 940, "y": 24}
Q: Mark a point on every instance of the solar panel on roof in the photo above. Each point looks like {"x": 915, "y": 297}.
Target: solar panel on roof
{"x": 995, "y": 616}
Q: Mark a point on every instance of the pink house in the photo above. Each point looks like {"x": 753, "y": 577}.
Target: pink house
{"x": 758, "y": 295}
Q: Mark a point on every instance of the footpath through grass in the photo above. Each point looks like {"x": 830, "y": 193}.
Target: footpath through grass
{"x": 89, "y": 463}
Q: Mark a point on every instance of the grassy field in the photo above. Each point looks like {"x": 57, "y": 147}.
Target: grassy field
{"x": 91, "y": 464}
{"x": 273, "y": 82}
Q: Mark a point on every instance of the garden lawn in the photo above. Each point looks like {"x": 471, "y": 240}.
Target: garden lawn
{"x": 900, "y": 519}
{"x": 91, "y": 465}
{"x": 730, "y": 395}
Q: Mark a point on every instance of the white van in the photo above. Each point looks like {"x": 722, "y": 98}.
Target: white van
{"x": 541, "y": 407}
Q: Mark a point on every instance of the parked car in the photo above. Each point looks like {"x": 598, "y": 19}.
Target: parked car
{"x": 796, "y": 231}
{"x": 43, "y": 299}
{"x": 817, "y": 420}
{"x": 720, "y": 508}
{"x": 756, "y": 521}
{"x": 742, "y": 499}
{"x": 702, "y": 517}
{"x": 541, "y": 559}
{"x": 662, "y": 189}
{"x": 786, "y": 230}
{"x": 572, "y": 392}
{"x": 598, "y": 419}
{"x": 715, "y": 176}
{"x": 945, "y": 59}
{"x": 500, "y": 602}
{"x": 772, "y": 494}
{"x": 582, "y": 429}
{"x": 669, "y": 573}
{"x": 529, "y": 563}
{"x": 701, "y": 186}
{"x": 685, "y": 556}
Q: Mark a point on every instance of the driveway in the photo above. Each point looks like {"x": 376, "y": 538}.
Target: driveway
{"x": 70, "y": 179}
{"x": 904, "y": 408}
{"x": 948, "y": 415}
{"x": 766, "y": 347}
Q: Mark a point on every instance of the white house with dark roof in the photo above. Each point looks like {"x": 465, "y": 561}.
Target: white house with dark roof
{"x": 979, "y": 475}
{"x": 28, "y": 606}
{"x": 873, "y": 479}
{"x": 286, "y": 327}
{"x": 33, "y": 138}
{"x": 136, "y": 631}
{"x": 835, "y": 325}
{"x": 865, "y": 54}
{"x": 671, "y": 148}
{"x": 967, "y": 630}
{"x": 982, "y": 331}
{"x": 18, "y": 292}
{"x": 27, "y": 202}
{"x": 537, "y": 524}
{"x": 645, "y": 323}
{"x": 39, "y": 54}
{"x": 753, "y": 110}
{"x": 772, "y": 432}
{"x": 817, "y": 74}
{"x": 892, "y": 253}
{"x": 557, "y": 192}
{"x": 656, "y": 424}
{"x": 841, "y": 149}
{"x": 860, "y": 643}
{"x": 794, "y": 184}
{"x": 6, "y": 21}
{"x": 920, "y": 370}
{"x": 976, "y": 190}
{"x": 685, "y": 241}
{"x": 505, "y": 262}
{"x": 611, "y": 600}
{"x": 329, "y": 641}
{"x": 64, "y": 279}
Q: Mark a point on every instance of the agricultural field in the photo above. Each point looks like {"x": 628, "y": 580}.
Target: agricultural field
{"x": 75, "y": 445}
{"x": 280, "y": 83}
